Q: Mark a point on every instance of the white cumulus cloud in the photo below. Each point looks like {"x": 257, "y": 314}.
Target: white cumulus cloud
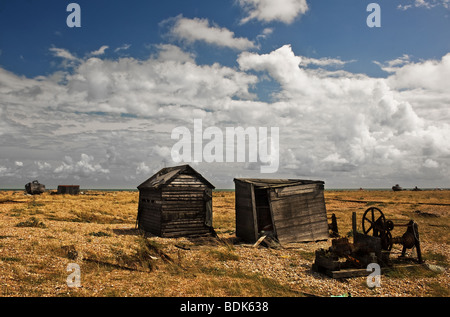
{"x": 427, "y": 4}
{"x": 196, "y": 29}
{"x": 63, "y": 53}
{"x": 285, "y": 11}
{"x": 116, "y": 116}
{"x": 100, "y": 51}
{"x": 359, "y": 122}
{"x": 85, "y": 167}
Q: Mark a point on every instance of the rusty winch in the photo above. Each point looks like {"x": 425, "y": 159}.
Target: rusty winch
{"x": 375, "y": 224}
{"x": 372, "y": 245}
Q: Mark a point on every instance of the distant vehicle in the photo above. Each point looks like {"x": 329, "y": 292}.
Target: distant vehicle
{"x": 35, "y": 188}
{"x": 397, "y": 188}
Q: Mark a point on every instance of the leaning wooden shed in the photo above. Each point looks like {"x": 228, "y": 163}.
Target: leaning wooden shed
{"x": 292, "y": 210}
{"x": 175, "y": 202}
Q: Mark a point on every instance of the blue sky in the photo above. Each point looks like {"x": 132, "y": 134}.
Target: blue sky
{"x": 127, "y": 76}
{"x": 328, "y": 29}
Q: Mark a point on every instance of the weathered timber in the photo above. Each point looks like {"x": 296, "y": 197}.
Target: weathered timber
{"x": 68, "y": 189}
{"x": 176, "y": 201}
{"x": 294, "y": 210}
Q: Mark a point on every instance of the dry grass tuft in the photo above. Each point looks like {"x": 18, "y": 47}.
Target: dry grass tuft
{"x": 32, "y": 222}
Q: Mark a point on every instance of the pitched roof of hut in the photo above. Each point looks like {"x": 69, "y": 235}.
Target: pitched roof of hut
{"x": 167, "y": 174}
{"x": 272, "y": 183}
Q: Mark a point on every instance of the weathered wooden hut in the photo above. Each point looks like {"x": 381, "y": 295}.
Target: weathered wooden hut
{"x": 68, "y": 189}
{"x": 291, "y": 210}
{"x": 176, "y": 201}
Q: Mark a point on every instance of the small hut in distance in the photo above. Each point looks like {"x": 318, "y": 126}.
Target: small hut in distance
{"x": 292, "y": 210}
{"x": 68, "y": 189}
{"x": 175, "y": 202}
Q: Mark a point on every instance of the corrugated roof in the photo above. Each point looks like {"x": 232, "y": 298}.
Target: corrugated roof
{"x": 271, "y": 183}
{"x": 167, "y": 174}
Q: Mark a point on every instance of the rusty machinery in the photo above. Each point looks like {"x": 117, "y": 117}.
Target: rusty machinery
{"x": 372, "y": 245}
{"x": 374, "y": 223}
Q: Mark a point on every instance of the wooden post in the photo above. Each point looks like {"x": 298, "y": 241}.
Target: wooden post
{"x": 354, "y": 224}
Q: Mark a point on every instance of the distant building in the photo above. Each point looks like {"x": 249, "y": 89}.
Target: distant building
{"x": 175, "y": 202}
{"x": 68, "y": 189}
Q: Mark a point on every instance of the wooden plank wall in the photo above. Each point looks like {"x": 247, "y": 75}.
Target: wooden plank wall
{"x": 149, "y": 210}
{"x": 184, "y": 207}
{"x": 299, "y": 213}
{"x": 69, "y": 190}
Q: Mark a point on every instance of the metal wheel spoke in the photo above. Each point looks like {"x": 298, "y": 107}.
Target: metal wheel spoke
{"x": 375, "y": 218}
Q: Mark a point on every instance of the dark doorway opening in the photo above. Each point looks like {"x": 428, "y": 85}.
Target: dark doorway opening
{"x": 263, "y": 214}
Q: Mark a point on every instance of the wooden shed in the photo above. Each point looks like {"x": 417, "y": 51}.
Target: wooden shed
{"x": 292, "y": 210}
{"x": 68, "y": 189}
{"x": 175, "y": 202}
